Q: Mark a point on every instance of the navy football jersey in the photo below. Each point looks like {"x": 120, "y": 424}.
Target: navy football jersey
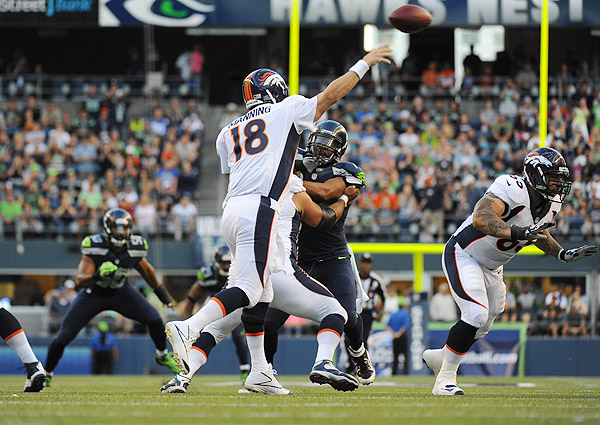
{"x": 317, "y": 244}
{"x": 97, "y": 248}
{"x": 210, "y": 279}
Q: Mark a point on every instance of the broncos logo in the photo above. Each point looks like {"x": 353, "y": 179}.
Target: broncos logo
{"x": 168, "y": 13}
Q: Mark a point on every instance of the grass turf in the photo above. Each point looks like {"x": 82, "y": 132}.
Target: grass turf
{"x": 214, "y": 399}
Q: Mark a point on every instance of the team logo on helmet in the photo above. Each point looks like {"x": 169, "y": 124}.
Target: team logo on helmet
{"x": 263, "y": 86}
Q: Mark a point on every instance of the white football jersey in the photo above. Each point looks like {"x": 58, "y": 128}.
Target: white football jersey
{"x": 492, "y": 252}
{"x": 289, "y": 225}
{"x": 258, "y": 148}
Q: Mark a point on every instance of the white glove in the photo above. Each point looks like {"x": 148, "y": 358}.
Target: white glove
{"x": 575, "y": 254}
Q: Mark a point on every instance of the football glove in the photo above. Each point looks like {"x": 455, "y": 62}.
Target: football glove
{"x": 352, "y": 175}
{"x": 163, "y": 295}
{"x": 576, "y": 254}
{"x": 529, "y": 233}
{"x": 106, "y": 270}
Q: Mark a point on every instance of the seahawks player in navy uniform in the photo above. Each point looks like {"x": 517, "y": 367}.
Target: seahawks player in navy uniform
{"x": 102, "y": 273}
{"x": 210, "y": 281}
{"x": 323, "y": 254}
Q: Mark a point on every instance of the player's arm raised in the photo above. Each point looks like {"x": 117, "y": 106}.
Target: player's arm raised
{"x": 146, "y": 270}
{"x": 324, "y": 217}
{"x": 341, "y": 86}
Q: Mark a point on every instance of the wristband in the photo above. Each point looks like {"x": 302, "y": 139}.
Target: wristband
{"x": 360, "y": 68}
{"x": 344, "y": 198}
{"x": 561, "y": 255}
{"x": 193, "y": 301}
{"x": 517, "y": 232}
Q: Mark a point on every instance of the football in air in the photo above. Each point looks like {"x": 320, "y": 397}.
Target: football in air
{"x": 410, "y": 18}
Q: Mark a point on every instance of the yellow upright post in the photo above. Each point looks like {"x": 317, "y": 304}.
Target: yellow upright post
{"x": 294, "y": 64}
{"x": 544, "y": 74}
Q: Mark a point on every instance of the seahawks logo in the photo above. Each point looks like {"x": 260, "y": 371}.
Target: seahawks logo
{"x": 166, "y": 13}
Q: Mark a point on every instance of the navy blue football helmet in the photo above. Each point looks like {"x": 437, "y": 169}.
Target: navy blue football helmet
{"x": 263, "y": 86}
{"x": 546, "y": 170}
{"x": 223, "y": 260}
{"x": 118, "y": 226}
{"x": 327, "y": 142}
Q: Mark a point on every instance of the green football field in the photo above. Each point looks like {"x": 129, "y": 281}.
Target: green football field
{"x": 214, "y": 400}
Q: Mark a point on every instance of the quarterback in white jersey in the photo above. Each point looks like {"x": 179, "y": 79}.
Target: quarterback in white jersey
{"x": 513, "y": 213}
{"x": 257, "y": 150}
{"x": 295, "y": 293}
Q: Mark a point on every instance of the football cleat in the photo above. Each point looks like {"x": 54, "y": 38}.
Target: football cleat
{"x": 181, "y": 338}
{"x": 167, "y": 360}
{"x": 365, "y": 372}
{"x": 36, "y": 376}
{"x": 433, "y": 360}
{"x": 445, "y": 384}
{"x": 177, "y": 385}
{"x": 325, "y": 372}
{"x": 447, "y": 389}
{"x": 48, "y": 381}
{"x": 263, "y": 382}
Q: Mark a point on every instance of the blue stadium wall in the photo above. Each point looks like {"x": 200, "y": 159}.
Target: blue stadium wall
{"x": 543, "y": 357}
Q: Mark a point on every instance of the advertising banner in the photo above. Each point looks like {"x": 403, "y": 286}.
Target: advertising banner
{"x": 46, "y": 13}
{"x": 445, "y": 13}
{"x": 498, "y": 354}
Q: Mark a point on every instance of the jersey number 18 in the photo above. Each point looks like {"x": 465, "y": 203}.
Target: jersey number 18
{"x": 256, "y": 139}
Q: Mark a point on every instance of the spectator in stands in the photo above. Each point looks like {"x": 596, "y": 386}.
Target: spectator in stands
{"x": 445, "y": 79}
{"x": 527, "y": 80}
{"x": 509, "y": 100}
{"x": 159, "y": 124}
{"x": 429, "y": 79}
{"x": 487, "y": 81}
{"x": 473, "y": 62}
{"x": 11, "y": 210}
{"x": 85, "y": 156}
{"x": 167, "y": 177}
{"x": 184, "y": 217}
{"x": 575, "y": 318}
{"x": 442, "y": 307}
{"x": 526, "y": 304}
{"x": 146, "y": 216}
{"x": 581, "y": 114}
{"x": 431, "y": 206}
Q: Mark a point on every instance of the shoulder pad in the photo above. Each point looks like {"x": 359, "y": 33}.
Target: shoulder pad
{"x": 94, "y": 245}
{"x": 510, "y": 188}
{"x": 138, "y": 246}
{"x": 349, "y": 166}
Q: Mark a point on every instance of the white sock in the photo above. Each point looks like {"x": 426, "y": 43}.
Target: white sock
{"x": 356, "y": 353}
{"x": 196, "y": 359}
{"x": 328, "y": 342}
{"x": 18, "y": 342}
{"x": 256, "y": 346}
{"x": 162, "y": 353}
{"x": 451, "y": 357}
{"x": 213, "y": 310}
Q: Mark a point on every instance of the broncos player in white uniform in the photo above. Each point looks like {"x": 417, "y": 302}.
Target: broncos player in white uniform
{"x": 295, "y": 293}
{"x": 257, "y": 150}
{"x": 513, "y": 213}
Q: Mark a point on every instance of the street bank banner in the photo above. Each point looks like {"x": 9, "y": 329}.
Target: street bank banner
{"x": 445, "y": 13}
{"x": 45, "y": 13}
{"x": 495, "y": 355}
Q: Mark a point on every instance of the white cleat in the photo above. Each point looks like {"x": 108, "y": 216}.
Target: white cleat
{"x": 263, "y": 382}
{"x": 445, "y": 384}
{"x": 181, "y": 338}
{"x": 177, "y": 385}
{"x": 447, "y": 389}
{"x": 433, "y": 360}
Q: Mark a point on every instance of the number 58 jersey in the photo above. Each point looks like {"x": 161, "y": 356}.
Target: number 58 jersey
{"x": 258, "y": 148}
{"x": 492, "y": 252}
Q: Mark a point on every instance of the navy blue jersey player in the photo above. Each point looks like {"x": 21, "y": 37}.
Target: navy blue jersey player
{"x": 211, "y": 280}
{"x": 323, "y": 254}
{"x": 102, "y": 274}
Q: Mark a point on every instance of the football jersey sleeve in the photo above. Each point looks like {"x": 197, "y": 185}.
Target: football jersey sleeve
{"x": 511, "y": 189}
{"x": 304, "y": 112}
{"x": 138, "y": 247}
{"x": 222, "y": 152}
{"x": 296, "y": 185}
